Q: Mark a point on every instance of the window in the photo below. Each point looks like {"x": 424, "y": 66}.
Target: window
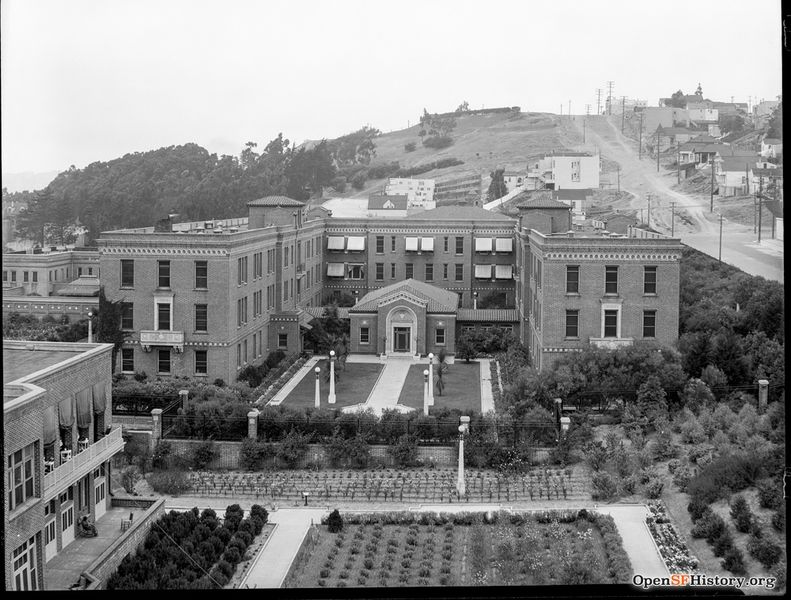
{"x": 429, "y": 272}
{"x": 649, "y": 280}
{"x": 355, "y": 272}
{"x": 201, "y": 317}
{"x": 163, "y": 316}
{"x": 90, "y": 272}
{"x": 459, "y": 272}
{"x": 25, "y": 276}
{"x": 163, "y": 361}
{"x": 380, "y": 271}
{"x": 610, "y": 280}
{"x": 127, "y": 316}
{"x": 241, "y": 270}
{"x": 459, "y": 245}
{"x": 201, "y": 274}
{"x": 649, "y": 323}
{"x": 25, "y": 566}
{"x": 444, "y": 271}
{"x": 392, "y": 270}
{"x": 20, "y": 476}
{"x": 127, "y": 360}
{"x": 285, "y": 257}
{"x": 410, "y": 268}
{"x": 610, "y": 323}
{"x": 282, "y": 340}
{"x": 380, "y": 244}
{"x": 445, "y": 243}
{"x": 439, "y": 336}
{"x": 163, "y": 271}
{"x": 572, "y": 279}
{"x": 127, "y": 273}
{"x": 392, "y": 243}
{"x": 244, "y": 351}
{"x": 5, "y": 276}
{"x": 35, "y": 276}
{"x": 13, "y": 276}
{"x": 572, "y": 323}
{"x": 238, "y": 355}
{"x": 364, "y": 335}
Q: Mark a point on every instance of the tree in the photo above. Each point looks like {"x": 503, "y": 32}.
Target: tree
{"x": 776, "y": 123}
{"x": 308, "y": 171}
{"x": 440, "y": 370}
{"x": 335, "y": 522}
{"x": 699, "y": 91}
{"x": 108, "y": 327}
{"x": 463, "y": 107}
{"x": 465, "y": 346}
{"x": 497, "y": 187}
{"x": 677, "y": 100}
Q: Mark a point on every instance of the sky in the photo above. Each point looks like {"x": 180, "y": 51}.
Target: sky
{"x": 90, "y": 80}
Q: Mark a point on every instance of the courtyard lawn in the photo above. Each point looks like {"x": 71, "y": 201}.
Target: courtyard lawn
{"x": 521, "y": 553}
{"x": 462, "y": 387}
{"x": 353, "y": 387}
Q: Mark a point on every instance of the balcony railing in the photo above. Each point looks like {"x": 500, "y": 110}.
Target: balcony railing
{"x": 84, "y": 462}
{"x": 611, "y": 343}
{"x": 150, "y": 338}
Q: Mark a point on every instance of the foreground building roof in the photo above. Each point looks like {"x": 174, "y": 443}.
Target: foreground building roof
{"x": 437, "y": 300}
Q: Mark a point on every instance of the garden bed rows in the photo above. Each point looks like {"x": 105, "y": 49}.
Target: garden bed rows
{"x": 435, "y": 485}
{"x": 409, "y": 549}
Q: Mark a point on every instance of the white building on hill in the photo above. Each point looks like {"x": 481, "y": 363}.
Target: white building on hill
{"x": 419, "y": 192}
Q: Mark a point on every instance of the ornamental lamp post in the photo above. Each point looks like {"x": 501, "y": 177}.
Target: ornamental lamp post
{"x": 461, "y": 487}
{"x": 425, "y": 392}
{"x": 331, "y": 398}
{"x": 317, "y": 399}
{"x": 90, "y": 327}
{"x": 475, "y": 300}
{"x": 431, "y": 379}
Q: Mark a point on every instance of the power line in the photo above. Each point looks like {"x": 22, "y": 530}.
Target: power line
{"x": 598, "y": 101}
{"x": 610, "y": 85}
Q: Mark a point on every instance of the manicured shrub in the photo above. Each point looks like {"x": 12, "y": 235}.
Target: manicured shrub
{"x": 335, "y": 521}
{"x": 765, "y": 552}
{"x": 605, "y": 487}
{"x": 721, "y": 544}
{"x": 709, "y": 526}
{"x": 734, "y": 562}
{"x": 653, "y": 489}
{"x": 779, "y": 519}
{"x": 741, "y": 514}
{"x": 770, "y": 494}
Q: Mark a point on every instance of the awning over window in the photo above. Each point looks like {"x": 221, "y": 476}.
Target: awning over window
{"x": 99, "y": 397}
{"x": 335, "y": 242}
{"x": 50, "y": 425}
{"x": 427, "y": 244}
{"x": 503, "y": 271}
{"x": 84, "y": 398}
{"x": 483, "y": 244}
{"x": 505, "y": 245}
{"x": 66, "y": 413}
{"x": 356, "y": 243}
{"x": 483, "y": 271}
{"x": 334, "y": 269}
{"x": 411, "y": 244}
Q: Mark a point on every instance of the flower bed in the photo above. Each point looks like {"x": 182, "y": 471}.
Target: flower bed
{"x": 672, "y": 549}
{"x": 404, "y": 548}
{"x": 497, "y": 384}
{"x": 190, "y": 550}
{"x": 286, "y": 373}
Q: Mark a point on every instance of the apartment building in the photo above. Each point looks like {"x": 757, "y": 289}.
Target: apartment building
{"x": 467, "y": 188}
{"x": 58, "y": 443}
{"x": 46, "y": 273}
{"x": 577, "y": 288}
{"x": 568, "y": 170}
{"x": 419, "y": 192}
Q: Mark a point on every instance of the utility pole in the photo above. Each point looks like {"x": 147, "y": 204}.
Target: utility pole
{"x": 569, "y": 109}
{"x": 760, "y": 207}
{"x": 623, "y": 111}
{"x": 719, "y": 258}
{"x": 598, "y": 101}
{"x": 561, "y": 110}
{"x": 678, "y": 163}
{"x": 711, "y": 206}
{"x": 609, "y": 97}
{"x": 672, "y": 219}
{"x": 640, "y": 141}
{"x": 657, "y": 149}
{"x": 747, "y": 175}
{"x": 642, "y": 220}
{"x": 649, "y": 211}
{"x": 619, "y": 178}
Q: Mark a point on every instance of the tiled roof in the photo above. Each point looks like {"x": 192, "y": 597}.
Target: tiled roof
{"x": 542, "y": 202}
{"x": 737, "y": 163}
{"x": 438, "y": 300}
{"x": 82, "y": 286}
{"x": 387, "y": 202}
{"x": 458, "y": 213}
{"x": 275, "y": 201}
{"x": 772, "y": 141}
{"x": 318, "y": 311}
{"x": 773, "y": 173}
{"x": 492, "y": 315}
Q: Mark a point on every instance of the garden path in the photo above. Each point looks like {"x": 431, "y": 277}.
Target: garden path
{"x": 294, "y": 381}
{"x": 487, "y": 398}
{"x": 388, "y": 388}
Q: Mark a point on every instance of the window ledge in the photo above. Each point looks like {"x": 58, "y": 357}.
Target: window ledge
{"x": 21, "y": 509}
{"x": 573, "y": 294}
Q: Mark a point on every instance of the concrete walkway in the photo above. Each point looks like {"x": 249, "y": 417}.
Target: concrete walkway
{"x": 487, "y": 398}
{"x": 294, "y": 381}
{"x": 637, "y": 540}
{"x": 388, "y": 387}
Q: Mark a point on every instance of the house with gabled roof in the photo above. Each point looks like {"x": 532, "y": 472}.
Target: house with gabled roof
{"x": 771, "y": 147}
{"x": 388, "y": 205}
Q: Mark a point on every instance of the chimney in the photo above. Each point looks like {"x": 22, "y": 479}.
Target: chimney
{"x": 763, "y": 393}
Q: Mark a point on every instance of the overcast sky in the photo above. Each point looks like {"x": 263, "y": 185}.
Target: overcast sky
{"x": 88, "y": 80}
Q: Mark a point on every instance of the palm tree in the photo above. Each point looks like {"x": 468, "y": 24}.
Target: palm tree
{"x": 440, "y": 370}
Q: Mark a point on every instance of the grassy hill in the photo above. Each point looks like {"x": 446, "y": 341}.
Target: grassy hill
{"x": 483, "y": 142}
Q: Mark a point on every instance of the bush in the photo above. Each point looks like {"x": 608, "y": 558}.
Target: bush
{"x": 161, "y": 457}
{"x": 438, "y": 142}
{"x": 292, "y": 450}
{"x": 173, "y": 482}
{"x": 722, "y": 543}
{"x": 605, "y": 487}
{"x": 765, "y": 552}
{"x": 653, "y": 489}
{"x": 741, "y": 514}
{"x": 682, "y": 477}
{"x": 335, "y": 521}
{"x": 779, "y": 520}
{"x": 409, "y": 147}
{"x": 204, "y": 453}
{"x": 770, "y": 494}
{"x": 404, "y": 451}
{"x": 734, "y": 561}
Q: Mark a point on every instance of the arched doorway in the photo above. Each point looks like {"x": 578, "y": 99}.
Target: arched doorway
{"x": 401, "y": 326}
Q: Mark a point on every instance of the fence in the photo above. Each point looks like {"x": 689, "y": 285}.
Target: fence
{"x": 141, "y": 406}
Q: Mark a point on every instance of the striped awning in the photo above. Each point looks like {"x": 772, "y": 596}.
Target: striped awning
{"x": 411, "y": 244}
{"x": 483, "y": 244}
{"x": 427, "y": 244}
{"x": 503, "y": 272}
{"x": 335, "y": 242}
{"x": 356, "y": 243}
{"x": 504, "y": 245}
{"x": 334, "y": 269}
{"x": 483, "y": 271}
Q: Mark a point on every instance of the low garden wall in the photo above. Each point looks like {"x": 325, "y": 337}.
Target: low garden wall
{"x": 107, "y": 563}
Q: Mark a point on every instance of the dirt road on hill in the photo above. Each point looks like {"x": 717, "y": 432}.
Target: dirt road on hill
{"x": 694, "y": 224}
